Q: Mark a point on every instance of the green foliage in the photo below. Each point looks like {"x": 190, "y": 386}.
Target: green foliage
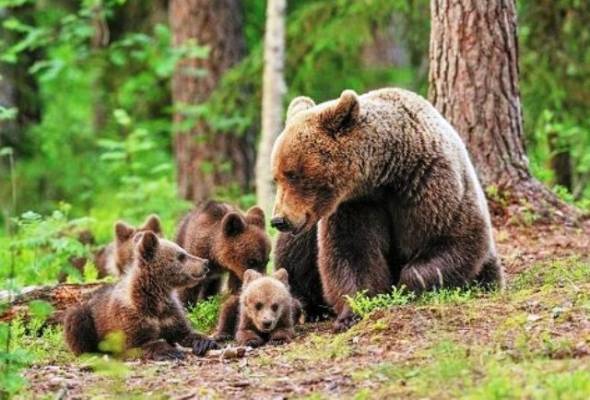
{"x": 203, "y": 315}
{"x": 555, "y": 70}
{"x": 42, "y": 247}
{"x": 363, "y": 305}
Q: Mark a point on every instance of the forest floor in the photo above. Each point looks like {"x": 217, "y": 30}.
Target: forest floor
{"x": 531, "y": 341}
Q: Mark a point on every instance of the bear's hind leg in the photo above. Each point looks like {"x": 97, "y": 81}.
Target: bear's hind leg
{"x": 447, "y": 265}
{"x": 80, "y": 332}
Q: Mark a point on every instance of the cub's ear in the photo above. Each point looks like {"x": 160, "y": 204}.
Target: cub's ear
{"x": 282, "y": 275}
{"x": 148, "y": 245}
{"x": 250, "y": 275}
{"x": 338, "y": 118}
{"x": 123, "y": 231}
{"x": 255, "y": 216}
{"x": 233, "y": 224}
{"x": 153, "y": 224}
{"x": 297, "y": 105}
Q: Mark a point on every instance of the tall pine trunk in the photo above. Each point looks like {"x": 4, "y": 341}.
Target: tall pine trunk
{"x": 206, "y": 158}
{"x": 273, "y": 91}
{"x": 474, "y": 84}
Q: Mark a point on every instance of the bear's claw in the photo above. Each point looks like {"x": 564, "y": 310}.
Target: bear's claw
{"x": 201, "y": 347}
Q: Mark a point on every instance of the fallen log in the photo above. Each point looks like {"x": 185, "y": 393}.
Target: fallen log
{"x": 61, "y": 297}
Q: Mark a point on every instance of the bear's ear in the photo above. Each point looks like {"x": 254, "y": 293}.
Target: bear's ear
{"x": 153, "y": 224}
{"x": 338, "y": 118}
{"x": 233, "y": 224}
{"x": 255, "y": 216}
{"x": 282, "y": 275}
{"x": 123, "y": 231}
{"x": 297, "y": 105}
{"x": 250, "y": 275}
{"x": 148, "y": 245}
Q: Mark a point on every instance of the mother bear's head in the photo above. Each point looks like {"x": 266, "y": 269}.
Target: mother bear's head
{"x": 314, "y": 164}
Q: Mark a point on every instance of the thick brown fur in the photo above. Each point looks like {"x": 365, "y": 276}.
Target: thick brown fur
{"x": 298, "y": 255}
{"x": 143, "y": 305}
{"x": 233, "y": 241}
{"x": 393, "y": 193}
{"x": 267, "y": 310}
{"x": 116, "y": 257}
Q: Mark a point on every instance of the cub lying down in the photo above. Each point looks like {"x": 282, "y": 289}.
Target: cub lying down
{"x": 143, "y": 306}
{"x": 267, "y": 309}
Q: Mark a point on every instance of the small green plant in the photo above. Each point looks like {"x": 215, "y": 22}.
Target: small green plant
{"x": 363, "y": 305}
{"x": 203, "y": 315}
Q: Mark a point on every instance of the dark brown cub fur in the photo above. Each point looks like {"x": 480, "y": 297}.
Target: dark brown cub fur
{"x": 143, "y": 306}
{"x": 117, "y": 256}
{"x": 233, "y": 242}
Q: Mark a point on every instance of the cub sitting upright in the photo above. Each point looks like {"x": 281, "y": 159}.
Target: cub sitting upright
{"x": 267, "y": 309}
{"x": 143, "y": 306}
{"x": 116, "y": 257}
{"x": 389, "y": 186}
{"x": 233, "y": 242}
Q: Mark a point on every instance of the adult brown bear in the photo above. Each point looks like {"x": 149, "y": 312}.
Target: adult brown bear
{"x": 388, "y": 184}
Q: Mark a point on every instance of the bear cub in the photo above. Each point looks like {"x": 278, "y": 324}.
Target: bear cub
{"x": 143, "y": 305}
{"x": 268, "y": 312}
{"x": 116, "y": 257}
{"x": 233, "y": 242}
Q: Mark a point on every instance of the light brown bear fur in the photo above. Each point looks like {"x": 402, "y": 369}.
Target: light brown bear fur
{"x": 233, "y": 241}
{"x": 143, "y": 306}
{"x": 389, "y": 186}
{"x": 116, "y": 257}
{"x": 267, "y": 310}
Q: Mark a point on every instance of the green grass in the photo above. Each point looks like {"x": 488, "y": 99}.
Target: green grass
{"x": 203, "y": 315}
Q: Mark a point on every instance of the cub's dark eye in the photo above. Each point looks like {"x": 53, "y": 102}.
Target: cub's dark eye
{"x": 181, "y": 257}
{"x": 252, "y": 263}
{"x": 275, "y": 307}
{"x": 291, "y": 176}
{"x": 258, "y": 306}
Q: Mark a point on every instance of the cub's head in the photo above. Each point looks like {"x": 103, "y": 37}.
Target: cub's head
{"x": 311, "y": 161}
{"x": 168, "y": 263}
{"x": 243, "y": 242}
{"x": 265, "y": 299}
{"x": 124, "y": 239}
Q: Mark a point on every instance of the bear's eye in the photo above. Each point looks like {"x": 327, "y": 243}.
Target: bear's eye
{"x": 252, "y": 263}
{"x": 181, "y": 257}
{"x": 275, "y": 307}
{"x": 258, "y": 306}
{"x": 291, "y": 176}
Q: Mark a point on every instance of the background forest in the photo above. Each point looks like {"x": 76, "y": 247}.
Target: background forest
{"x": 91, "y": 110}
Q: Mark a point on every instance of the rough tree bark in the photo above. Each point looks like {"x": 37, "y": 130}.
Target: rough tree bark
{"x": 474, "y": 83}
{"x": 273, "y": 91}
{"x": 206, "y": 158}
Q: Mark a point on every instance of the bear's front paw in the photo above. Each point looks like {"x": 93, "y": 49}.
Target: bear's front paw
{"x": 344, "y": 321}
{"x": 200, "y": 347}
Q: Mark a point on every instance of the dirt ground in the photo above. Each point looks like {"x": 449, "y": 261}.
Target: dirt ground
{"x": 405, "y": 352}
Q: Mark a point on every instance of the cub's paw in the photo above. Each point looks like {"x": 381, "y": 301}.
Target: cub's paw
{"x": 223, "y": 337}
{"x": 166, "y": 355}
{"x": 279, "y": 341}
{"x": 345, "y": 321}
{"x": 200, "y": 347}
{"x": 253, "y": 343}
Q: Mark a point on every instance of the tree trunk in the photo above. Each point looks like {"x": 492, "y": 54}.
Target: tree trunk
{"x": 273, "y": 91}
{"x": 61, "y": 297}
{"x": 206, "y": 158}
{"x": 474, "y": 84}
